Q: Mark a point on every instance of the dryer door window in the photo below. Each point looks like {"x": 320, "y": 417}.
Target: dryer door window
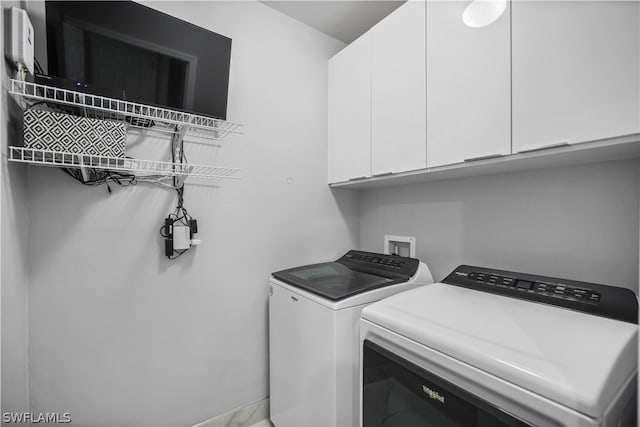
{"x": 397, "y": 393}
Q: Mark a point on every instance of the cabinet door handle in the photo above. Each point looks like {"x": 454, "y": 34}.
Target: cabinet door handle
{"x": 355, "y": 178}
{"x": 544, "y": 147}
{"x": 383, "y": 173}
{"x": 489, "y": 156}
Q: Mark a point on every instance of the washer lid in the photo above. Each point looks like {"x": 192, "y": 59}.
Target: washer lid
{"x": 353, "y": 273}
{"x": 578, "y": 360}
{"x": 332, "y": 280}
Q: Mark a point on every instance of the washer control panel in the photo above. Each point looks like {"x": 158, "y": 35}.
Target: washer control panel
{"x": 390, "y": 266}
{"x": 602, "y": 300}
{"x": 389, "y": 261}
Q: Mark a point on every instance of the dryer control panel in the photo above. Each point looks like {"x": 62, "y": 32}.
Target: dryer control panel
{"x": 546, "y": 288}
{"x": 601, "y": 300}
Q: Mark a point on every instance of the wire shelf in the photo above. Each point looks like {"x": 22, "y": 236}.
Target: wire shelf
{"x": 81, "y": 160}
{"x": 134, "y": 114}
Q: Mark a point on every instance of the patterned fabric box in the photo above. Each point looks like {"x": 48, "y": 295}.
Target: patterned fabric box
{"x": 45, "y": 130}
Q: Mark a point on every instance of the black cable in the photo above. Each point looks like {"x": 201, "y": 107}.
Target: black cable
{"x": 180, "y": 214}
{"x": 164, "y": 234}
{"x": 99, "y": 177}
{"x": 180, "y": 253}
{"x": 102, "y": 177}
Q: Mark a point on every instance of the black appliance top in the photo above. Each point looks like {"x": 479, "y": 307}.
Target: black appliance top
{"x": 355, "y": 272}
{"x": 600, "y": 300}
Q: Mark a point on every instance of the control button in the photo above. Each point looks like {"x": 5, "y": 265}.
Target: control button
{"x": 594, "y": 296}
{"x": 545, "y": 287}
{"x": 524, "y": 284}
{"x": 509, "y": 281}
{"x": 481, "y": 277}
{"x": 472, "y": 276}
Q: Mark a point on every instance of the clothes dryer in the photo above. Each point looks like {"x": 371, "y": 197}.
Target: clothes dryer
{"x": 491, "y": 348}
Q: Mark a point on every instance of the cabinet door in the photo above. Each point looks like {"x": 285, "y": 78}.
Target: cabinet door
{"x": 350, "y": 111}
{"x": 468, "y": 86}
{"x": 575, "y": 71}
{"x": 398, "y": 92}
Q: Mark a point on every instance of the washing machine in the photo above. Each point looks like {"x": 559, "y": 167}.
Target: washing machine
{"x": 314, "y": 314}
{"x": 498, "y": 348}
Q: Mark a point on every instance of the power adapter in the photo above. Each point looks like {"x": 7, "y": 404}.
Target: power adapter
{"x": 181, "y": 237}
{"x": 178, "y": 236}
{"x": 168, "y": 247}
{"x": 168, "y": 240}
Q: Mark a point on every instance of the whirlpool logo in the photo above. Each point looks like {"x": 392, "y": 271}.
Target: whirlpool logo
{"x": 433, "y": 394}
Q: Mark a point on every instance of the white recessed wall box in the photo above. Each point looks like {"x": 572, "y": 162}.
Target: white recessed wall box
{"x": 400, "y": 245}
{"x": 18, "y": 39}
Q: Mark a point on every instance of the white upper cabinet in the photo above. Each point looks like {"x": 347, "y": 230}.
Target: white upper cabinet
{"x": 423, "y": 90}
{"x": 350, "y": 111}
{"x": 398, "y": 92}
{"x": 468, "y": 86}
{"x": 575, "y": 71}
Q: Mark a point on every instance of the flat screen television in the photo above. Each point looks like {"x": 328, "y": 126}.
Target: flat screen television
{"x": 139, "y": 54}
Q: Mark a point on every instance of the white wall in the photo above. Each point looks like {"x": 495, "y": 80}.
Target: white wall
{"x": 14, "y": 267}
{"x": 121, "y": 336}
{"x": 577, "y": 222}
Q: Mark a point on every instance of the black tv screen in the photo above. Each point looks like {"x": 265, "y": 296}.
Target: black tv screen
{"x": 139, "y": 54}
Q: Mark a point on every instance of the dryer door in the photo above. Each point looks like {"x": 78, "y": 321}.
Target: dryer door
{"x": 397, "y": 393}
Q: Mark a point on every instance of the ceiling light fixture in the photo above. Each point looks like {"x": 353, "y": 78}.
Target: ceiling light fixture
{"x": 480, "y": 13}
